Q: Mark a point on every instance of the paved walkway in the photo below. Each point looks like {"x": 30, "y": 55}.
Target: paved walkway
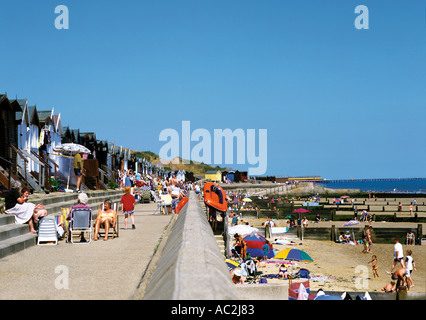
{"x": 100, "y": 270}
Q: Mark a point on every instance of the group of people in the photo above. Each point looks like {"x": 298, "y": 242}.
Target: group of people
{"x": 25, "y": 212}
{"x": 107, "y": 214}
{"x": 403, "y": 274}
{"x": 365, "y": 216}
{"x": 130, "y": 178}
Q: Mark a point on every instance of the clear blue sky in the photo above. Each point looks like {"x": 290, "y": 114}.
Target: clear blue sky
{"x": 336, "y": 101}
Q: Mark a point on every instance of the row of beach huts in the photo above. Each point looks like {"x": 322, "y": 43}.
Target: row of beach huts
{"x": 29, "y": 136}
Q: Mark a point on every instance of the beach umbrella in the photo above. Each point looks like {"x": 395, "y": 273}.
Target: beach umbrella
{"x": 241, "y": 229}
{"x": 72, "y": 148}
{"x": 294, "y": 254}
{"x": 231, "y": 264}
{"x": 301, "y": 210}
{"x": 255, "y": 243}
{"x": 351, "y": 223}
{"x": 344, "y": 197}
{"x": 247, "y": 200}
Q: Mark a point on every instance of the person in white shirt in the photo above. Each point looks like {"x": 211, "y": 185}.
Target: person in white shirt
{"x": 398, "y": 254}
{"x": 410, "y": 266}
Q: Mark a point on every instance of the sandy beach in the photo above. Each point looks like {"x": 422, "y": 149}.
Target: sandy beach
{"x": 343, "y": 267}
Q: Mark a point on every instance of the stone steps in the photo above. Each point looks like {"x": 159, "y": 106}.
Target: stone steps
{"x": 220, "y": 243}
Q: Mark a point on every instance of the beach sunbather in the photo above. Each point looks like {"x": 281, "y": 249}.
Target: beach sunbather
{"x": 283, "y": 272}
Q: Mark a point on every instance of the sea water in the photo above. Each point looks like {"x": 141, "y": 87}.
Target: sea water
{"x": 395, "y": 186}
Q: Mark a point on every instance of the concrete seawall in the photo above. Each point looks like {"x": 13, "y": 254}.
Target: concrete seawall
{"x": 191, "y": 266}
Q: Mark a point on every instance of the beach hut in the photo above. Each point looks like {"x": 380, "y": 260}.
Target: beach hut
{"x": 215, "y": 176}
{"x": 243, "y": 176}
{"x": 88, "y": 139}
{"x": 8, "y": 127}
{"x": 231, "y": 175}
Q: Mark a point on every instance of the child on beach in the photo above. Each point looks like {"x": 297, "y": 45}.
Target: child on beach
{"x": 265, "y": 249}
{"x": 364, "y": 241}
{"x": 128, "y": 207}
{"x": 368, "y": 236}
{"x": 373, "y": 264}
{"x": 411, "y": 266}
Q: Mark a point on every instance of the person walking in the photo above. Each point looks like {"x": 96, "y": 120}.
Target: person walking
{"x": 368, "y": 236}
{"x": 78, "y": 169}
{"x": 411, "y": 266}
{"x": 128, "y": 207}
{"x": 398, "y": 255}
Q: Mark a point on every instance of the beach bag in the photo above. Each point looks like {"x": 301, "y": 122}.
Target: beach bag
{"x": 303, "y": 273}
{"x": 263, "y": 280}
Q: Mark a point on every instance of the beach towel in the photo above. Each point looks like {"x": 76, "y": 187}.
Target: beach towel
{"x": 22, "y": 212}
{"x": 278, "y": 230}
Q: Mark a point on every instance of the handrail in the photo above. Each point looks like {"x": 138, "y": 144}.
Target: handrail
{"x": 13, "y": 148}
{"x": 56, "y": 166}
{"x": 19, "y": 152}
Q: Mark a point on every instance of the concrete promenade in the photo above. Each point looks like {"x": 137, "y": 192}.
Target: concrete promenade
{"x": 110, "y": 270}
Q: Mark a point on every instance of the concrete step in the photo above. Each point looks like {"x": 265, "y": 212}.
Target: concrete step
{"x": 65, "y": 197}
{"x": 220, "y": 243}
{"x": 12, "y": 230}
{"x": 6, "y": 219}
{"x": 16, "y": 244}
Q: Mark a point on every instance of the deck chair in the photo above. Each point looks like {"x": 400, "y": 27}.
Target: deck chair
{"x": 61, "y": 219}
{"x": 65, "y": 213}
{"x": 81, "y": 221}
{"x": 114, "y": 230}
{"x": 47, "y": 232}
{"x": 167, "y": 203}
{"x": 160, "y": 203}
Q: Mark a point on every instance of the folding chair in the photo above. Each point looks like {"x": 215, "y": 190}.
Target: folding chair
{"x": 47, "y": 232}
{"x": 114, "y": 230}
{"x": 62, "y": 219}
{"x": 160, "y": 203}
{"x": 167, "y": 203}
{"x": 81, "y": 221}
